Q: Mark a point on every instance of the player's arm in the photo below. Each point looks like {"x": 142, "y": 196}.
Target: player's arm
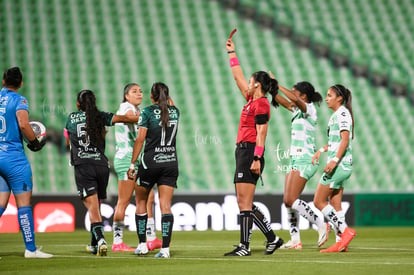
{"x": 236, "y": 69}
{"x": 280, "y": 99}
{"x": 317, "y": 155}
{"x": 125, "y": 118}
{"x": 343, "y": 144}
{"x": 295, "y": 100}
{"x": 139, "y": 142}
{"x": 24, "y": 125}
{"x": 259, "y": 149}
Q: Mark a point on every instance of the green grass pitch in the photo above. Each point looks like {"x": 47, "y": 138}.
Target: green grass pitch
{"x": 376, "y": 250}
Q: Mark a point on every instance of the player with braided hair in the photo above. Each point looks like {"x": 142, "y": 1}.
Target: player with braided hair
{"x": 85, "y": 132}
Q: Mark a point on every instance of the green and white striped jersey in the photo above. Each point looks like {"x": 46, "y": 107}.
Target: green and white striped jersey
{"x": 125, "y": 133}
{"x": 341, "y": 120}
{"x": 303, "y": 132}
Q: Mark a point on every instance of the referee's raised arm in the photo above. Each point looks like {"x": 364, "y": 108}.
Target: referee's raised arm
{"x": 236, "y": 69}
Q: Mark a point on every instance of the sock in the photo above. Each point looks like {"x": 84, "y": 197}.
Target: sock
{"x": 141, "y": 223}
{"x": 97, "y": 231}
{"x": 2, "y": 209}
{"x": 293, "y": 219}
{"x": 26, "y": 223}
{"x": 94, "y": 241}
{"x": 331, "y": 215}
{"x": 118, "y": 232}
{"x": 167, "y": 221}
{"x": 341, "y": 217}
{"x": 151, "y": 229}
{"x": 246, "y": 224}
{"x": 306, "y": 211}
{"x": 261, "y": 222}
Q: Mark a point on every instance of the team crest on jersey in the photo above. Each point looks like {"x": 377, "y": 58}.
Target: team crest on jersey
{"x": 23, "y": 101}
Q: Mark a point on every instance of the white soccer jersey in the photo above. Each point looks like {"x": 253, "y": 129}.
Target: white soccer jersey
{"x": 341, "y": 120}
{"x": 303, "y": 132}
{"x": 125, "y": 133}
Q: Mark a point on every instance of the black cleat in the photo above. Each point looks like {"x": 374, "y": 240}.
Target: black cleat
{"x": 271, "y": 247}
{"x": 240, "y": 250}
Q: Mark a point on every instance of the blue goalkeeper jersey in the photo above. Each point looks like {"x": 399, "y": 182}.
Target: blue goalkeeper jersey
{"x": 10, "y": 135}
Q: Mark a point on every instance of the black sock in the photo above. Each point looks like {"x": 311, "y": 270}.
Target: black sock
{"x": 261, "y": 222}
{"x": 246, "y": 224}
{"x": 97, "y": 232}
{"x": 141, "y": 223}
{"x": 167, "y": 221}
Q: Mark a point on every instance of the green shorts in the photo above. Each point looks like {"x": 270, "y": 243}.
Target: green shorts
{"x": 337, "y": 178}
{"x": 121, "y": 166}
{"x": 304, "y": 166}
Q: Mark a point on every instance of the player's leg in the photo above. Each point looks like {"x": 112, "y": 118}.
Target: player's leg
{"x": 125, "y": 190}
{"x": 166, "y": 193}
{"x": 4, "y": 195}
{"x": 141, "y": 217}
{"x": 152, "y": 241}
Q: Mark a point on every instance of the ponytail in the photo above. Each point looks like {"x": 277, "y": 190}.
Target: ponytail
{"x": 95, "y": 126}
{"x": 160, "y": 94}
{"x": 269, "y": 85}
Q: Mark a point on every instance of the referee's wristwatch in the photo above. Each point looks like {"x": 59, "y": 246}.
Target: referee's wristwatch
{"x": 257, "y": 158}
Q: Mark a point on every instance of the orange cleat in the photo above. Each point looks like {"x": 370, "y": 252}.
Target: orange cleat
{"x": 121, "y": 248}
{"x": 154, "y": 244}
{"x": 346, "y": 238}
{"x": 334, "y": 248}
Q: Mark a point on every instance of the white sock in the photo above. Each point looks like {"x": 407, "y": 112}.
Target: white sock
{"x": 151, "y": 229}
{"x": 293, "y": 219}
{"x": 341, "y": 216}
{"x": 331, "y": 215}
{"x": 306, "y": 211}
{"x": 118, "y": 228}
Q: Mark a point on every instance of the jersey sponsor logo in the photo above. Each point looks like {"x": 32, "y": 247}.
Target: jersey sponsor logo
{"x": 161, "y": 158}
{"x": 240, "y": 175}
{"x": 167, "y": 149}
{"x": 54, "y": 217}
{"x": 86, "y": 155}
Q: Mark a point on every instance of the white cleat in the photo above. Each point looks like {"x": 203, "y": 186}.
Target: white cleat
{"x": 142, "y": 249}
{"x": 291, "y": 244}
{"x": 164, "y": 253}
{"x": 37, "y": 254}
{"x": 323, "y": 234}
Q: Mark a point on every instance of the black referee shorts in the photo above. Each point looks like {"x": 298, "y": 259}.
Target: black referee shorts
{"x": 244, "y": 157}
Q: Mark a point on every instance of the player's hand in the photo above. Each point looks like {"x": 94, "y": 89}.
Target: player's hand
{"x": 132, "y": 173}
{"x": 35, "y": 145}
{"x": 330, "y": 167}
{"x": 230, "y": 45}
{"x": 315, "y": 158}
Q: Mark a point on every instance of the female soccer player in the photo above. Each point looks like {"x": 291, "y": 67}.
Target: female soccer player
{"x": 125, "y": 134}
{"x": 158, "y": 125}
{"x": 250, "y": 151}
{"x": 339, "y": 164}
{"x": 302, "y": 148}
{"x": 15, "y": 171}
{"x": 85, "y": 130}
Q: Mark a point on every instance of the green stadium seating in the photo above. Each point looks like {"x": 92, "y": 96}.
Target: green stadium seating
{"x": 66, "y": 46}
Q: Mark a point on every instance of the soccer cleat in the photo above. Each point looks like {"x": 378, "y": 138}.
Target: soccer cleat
{"x": 323, "y": 234}
{"x": 240, "y": 250}
{"x": 334, "y": 248}
{"x": 346, "y": 238}
{"x": 292, "y": 244}
{"x": 102, "y": 248}
{"x": 92, "y": 249}
{"x": 164, "y": 253}
{"x": 154, "y": 244}
{"x": 37, "y": 254}
{"x": 142, "y": 249}
{"x": 121, "y": 247}
{"x": 271, "y": 247}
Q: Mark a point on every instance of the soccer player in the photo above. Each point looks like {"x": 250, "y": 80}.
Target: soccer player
{"x": 158, "y": 126}
{"x": 125, "y": 134}
{"x": 85, "y": 130}
{"x": 339, "y": 164}
{"x": 15, "y": 171}
{"x": 250, "y": 152}
{"x": 304, "y": 119}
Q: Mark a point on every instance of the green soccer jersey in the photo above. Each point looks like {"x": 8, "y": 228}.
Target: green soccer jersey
{"x": 340, "y": 120}
{"x": 159, "y": 150}
{"x": 82, "y": 151}
{"x": 303, "y": 132}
